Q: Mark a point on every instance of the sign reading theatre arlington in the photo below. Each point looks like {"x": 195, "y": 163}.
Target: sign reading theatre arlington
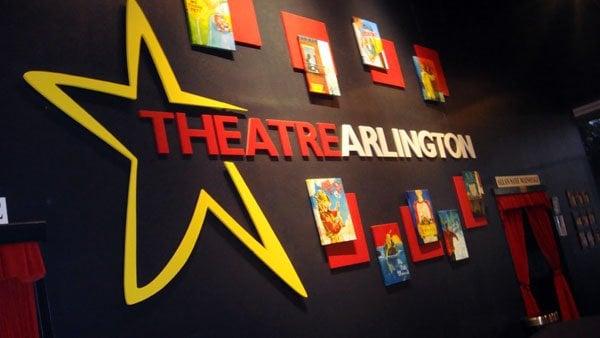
{"x": 320, "y": 138}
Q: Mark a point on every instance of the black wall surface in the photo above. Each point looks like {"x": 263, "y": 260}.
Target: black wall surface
{"x": 52, "y": 169}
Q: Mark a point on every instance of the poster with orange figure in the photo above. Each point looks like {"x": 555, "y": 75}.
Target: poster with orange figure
{"x": 427, "y": 75}
{"x": 454, "y": 238}
{"x": 391, "y": 253}
{"x": 330, "y": 209}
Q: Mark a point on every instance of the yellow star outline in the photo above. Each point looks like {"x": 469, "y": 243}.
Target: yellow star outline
{"x": 138, "y": 28}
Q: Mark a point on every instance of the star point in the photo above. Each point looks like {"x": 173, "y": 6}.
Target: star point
{"x": 138, "y": 29}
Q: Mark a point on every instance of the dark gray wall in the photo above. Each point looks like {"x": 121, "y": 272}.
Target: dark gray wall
{"x": 54, "y": 170}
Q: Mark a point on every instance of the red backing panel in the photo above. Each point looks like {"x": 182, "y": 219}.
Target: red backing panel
{"x": 245, "y": 25}
{"x": 432, "y": 55}
{"x": 354, "y": 252}
{"x": 418, "y": 252}
{"x": 465, "y": 206}
{"x": 393, "y": 75}
{"x": 295, "y": 25}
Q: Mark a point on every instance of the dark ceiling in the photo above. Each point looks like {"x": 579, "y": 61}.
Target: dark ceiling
{"x": 550, "y": 46}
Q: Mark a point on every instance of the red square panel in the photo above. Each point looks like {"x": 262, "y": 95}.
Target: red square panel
{"x": 295, "y": 25}
{"x": 418, "y": 252}
{"x": 393, "y": 75}
{"x": 432, "y": 55}
{"x": 243, "y": 20}
{"x": 465, "y": 205}
{"x": 354, "y": 252}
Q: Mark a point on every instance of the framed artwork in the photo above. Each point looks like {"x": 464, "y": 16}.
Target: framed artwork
{"x": 432, "y": 54}
{"x": 418, "y": 252}
{"x": 579, "y": 198}
{"x": 209, "y": 23}
{"x": 555, "y": 205}
{"x": 590, "y": 238}
{"x": 369, "y": 43}
{"x": 3, "y": 211}
{"x": 423, "y": 216}
{"x": 318, "y": 66}
{"x": 571, "y": 198}
{"x": 294, "y": 25}
{"x": 596, "y": 231}
{"x": 475, "y": 192}
{"x": 470, "y": 220}
{"x": 578, "y": 221}
{"x": 581, "y": 233}
{"x": 427, "y": 78}
{"x": 454, "y": 238}
{"x": 353, "y": 252}
{"x": 584, "y": 219}
{"x": 330, "y": 209}
{"x": 586, "y": 197}
{"x": 561, "y": 227}
{"x": 390, "y": 253}
{"x": 591, "y": 217}
{"x": 583, "y": 240}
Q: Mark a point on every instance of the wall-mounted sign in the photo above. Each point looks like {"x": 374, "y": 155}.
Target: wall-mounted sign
{"x": 3, "y": 211}
{"x": 517, "y": 181}
{"x": 320, "y": 138}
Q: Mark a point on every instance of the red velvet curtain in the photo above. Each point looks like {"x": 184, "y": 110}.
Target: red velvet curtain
{"x": 536, "y": 204}
{"x": 20, "y": 266}
{"x": 542, "y": 230}
{"x": 515, "y": 235}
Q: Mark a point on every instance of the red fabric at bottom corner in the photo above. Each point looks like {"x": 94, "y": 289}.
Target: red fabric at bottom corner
{"x": 18, "y": 313}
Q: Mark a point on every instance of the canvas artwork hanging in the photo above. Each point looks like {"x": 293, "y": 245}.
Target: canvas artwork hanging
{"x": 580, "y": 230}
{"x": 571, "y": 198}
{"x": 475, "y": 192}
{"x": 3, "y": 211}
{"x": 330, "y": 209}
{"x": 426, "y": 73}
{"x": 596, "y": 232}
{"x": 209, "y": 23}
{"x": 318, "y": 66}
{"x": 369, "y": 43}
{"x": 592, "y": 217}
{"x": 423, "y": 216}
{"x": 454, "y": 238}
{"x": 586, "y": 198}
{"x": 391, "y": 253}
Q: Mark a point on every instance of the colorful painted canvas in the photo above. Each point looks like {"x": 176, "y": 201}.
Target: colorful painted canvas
{"x": 390, "y": 253}
{"x": 428, "y": 80}
{"x": 423, "y": 216}
{"x": 475, "y": 192}
{"x": 330, "y": 209}
{"x": 318, "y": 65}
{"x": 352, "y": 252}
{"x": 454, "y": 238}
{"x": 369, "y": 43}
{"x": 209, "y": 23}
